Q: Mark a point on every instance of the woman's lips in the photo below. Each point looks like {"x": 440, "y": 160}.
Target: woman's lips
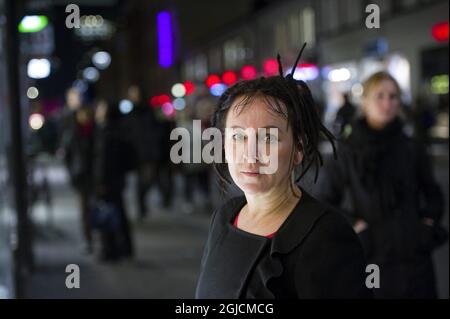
{"x": 250, "y": 173}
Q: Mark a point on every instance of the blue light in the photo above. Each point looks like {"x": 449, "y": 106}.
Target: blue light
{"x": 165, "y": 50}
{"x": 218, "y": 89}
{"x": 179, "y": 104}
{"x": 125, "y": 106}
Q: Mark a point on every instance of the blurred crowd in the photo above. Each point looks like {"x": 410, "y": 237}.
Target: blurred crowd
{"x": 101, "y": 143}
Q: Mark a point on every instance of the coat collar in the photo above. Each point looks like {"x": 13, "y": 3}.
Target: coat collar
{"x": 295, "y": 228}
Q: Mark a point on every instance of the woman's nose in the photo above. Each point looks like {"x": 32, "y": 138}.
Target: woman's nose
{"x": 251, "y": 152}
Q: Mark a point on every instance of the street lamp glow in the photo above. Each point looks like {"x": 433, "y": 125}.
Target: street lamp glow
{"x": 91, "y": 74}
{"x": 32, "y": 24}
{"x": 179, "y": 104}
{"x": 339, "y": 75}
{"x": 101, "y": 59}
{"x": 38, "y": 68}
{"x": 125, "y": 106}
{"x": 178, "y": 90}
{"x": 32, "y": 92}
{"x": 36, "y": 121}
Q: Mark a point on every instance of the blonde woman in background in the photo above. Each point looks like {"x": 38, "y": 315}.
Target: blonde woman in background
{"x": 396, "y": 205}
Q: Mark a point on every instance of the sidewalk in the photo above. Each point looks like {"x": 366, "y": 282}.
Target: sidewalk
{"x": 168, "y": 245}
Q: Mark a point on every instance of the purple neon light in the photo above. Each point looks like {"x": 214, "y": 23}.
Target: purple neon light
{"x": 164, "y": 26}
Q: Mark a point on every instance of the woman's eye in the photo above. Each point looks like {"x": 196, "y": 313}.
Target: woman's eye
{"x": 270, "y": 138}
{"x": 238, "y": 137}
{"x": 393, "y": 96}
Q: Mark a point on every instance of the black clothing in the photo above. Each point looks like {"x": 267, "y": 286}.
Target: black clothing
{"x": 314, "y": 254}
{"x": 391, "y": 187}
{"x": 78, "y": 145}
{"x": 150, "y": 139}
{"x": 344, "y": 117}
{"x": 112, "y": 164}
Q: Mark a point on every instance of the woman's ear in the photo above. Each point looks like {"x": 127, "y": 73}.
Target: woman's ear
{"x": 298, "y": 155}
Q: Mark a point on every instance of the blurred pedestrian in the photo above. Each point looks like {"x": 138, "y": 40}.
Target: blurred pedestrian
{"x": 112, "y": 162}
{"x": 144, "y": 134}
{"x": 165, "y": 167}
{"x": 395, "y": 203}
{"x": 344, "y": 115}
{"x": 78, "y": 148}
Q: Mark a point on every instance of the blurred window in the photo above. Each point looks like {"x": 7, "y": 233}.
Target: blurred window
{"x": 294, "y": 28}
{"x": 201, "y": 67}
{"x": 351, "y": 12}
{"x": 234, "y": 53}
{"x": 329, "y": 15}
{"x": 189, "y": 69}
{"x": 215, "y": 60}
{"x": 385, "y": 6}
{"x": 281, "y": 38}
{"x": 308, "y": 26}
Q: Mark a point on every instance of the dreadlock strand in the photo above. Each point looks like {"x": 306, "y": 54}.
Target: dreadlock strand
{"x": 298, "y": 59}
{"x": 280, "y": 65}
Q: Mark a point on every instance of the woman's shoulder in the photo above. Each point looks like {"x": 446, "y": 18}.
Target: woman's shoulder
{"x": 330, "y": 262}
{"x": 322, "y": 223}
{"x": 333, "y": 224}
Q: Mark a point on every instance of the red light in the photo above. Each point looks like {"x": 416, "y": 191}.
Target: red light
{"x": 440, "y": 31}
{"x": 229, "y": 78}
{"x": 211, "y": 80}
{"x": 307, "y": 65}
{"x": 248, "y": 72}
{"x": 190, "y": 87}
{"x": 154, "y": 101}
{"x": 158, "y": 100}
{"x": 270, "y": 67}
{"x": 163, "y": 98}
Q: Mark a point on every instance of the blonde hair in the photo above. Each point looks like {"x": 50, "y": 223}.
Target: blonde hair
{"x": 376, "y": 79}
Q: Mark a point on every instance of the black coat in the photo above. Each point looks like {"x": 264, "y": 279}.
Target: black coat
{"x": 385, "y": 178}
{"x": 315, "y": 254}
{"x": 112, "y": 159}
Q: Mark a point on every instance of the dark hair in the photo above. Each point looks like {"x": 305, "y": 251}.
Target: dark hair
{"x": 287, "y": 97}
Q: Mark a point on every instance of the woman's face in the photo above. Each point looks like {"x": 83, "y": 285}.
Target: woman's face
{"x": 249, "y": 157}
{"x": 382, "y": 103}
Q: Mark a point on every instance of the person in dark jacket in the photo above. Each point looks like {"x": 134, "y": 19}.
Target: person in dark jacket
{"x": 78, "y": 146}
{"x": 394, "y": 202}
{"x": 276, "y": 241}
{"x": 141, "y": 134}
{"x": 344, "y": 115}
{"x": 111, "y": 165}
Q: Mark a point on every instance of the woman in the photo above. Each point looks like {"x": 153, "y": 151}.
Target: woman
{"x": 396, "y": 204}
{"x": 276, "y": 241}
